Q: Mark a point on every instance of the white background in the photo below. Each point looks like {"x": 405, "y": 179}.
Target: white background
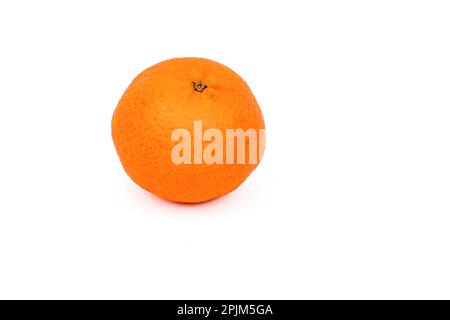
{"x": 352, "y": 199}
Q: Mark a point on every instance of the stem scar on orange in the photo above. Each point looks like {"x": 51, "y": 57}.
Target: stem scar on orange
{"x": 185, "y": 130}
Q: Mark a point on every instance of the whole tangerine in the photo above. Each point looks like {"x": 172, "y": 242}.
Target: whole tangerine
{"x": 176, "y": 130}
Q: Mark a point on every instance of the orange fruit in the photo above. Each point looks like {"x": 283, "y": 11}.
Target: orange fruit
{"x": 178, "y": 94}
